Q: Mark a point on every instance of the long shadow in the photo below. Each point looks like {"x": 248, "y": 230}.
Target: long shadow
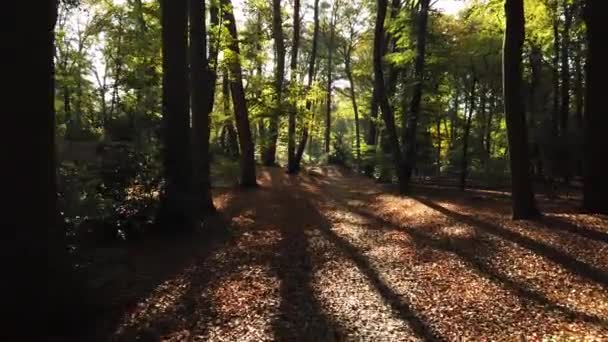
{"x": 565, "y": 226}
{"x": 573, "y": 265}
{"x": 485, "y": 270}
{"x": 400, "y": 306}
{"x": 300, "y": 316}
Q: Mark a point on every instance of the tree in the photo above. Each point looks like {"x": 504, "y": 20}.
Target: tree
{"x": 291, "y": 134}
{"x": 523, "y": 203}
{"x": 176, "y": 207}
{"x": 412, "y": 127}
{"x": 379, "y": 88}
{"x": 330, "y": 65}
{"x": 269, "y": 156}
{"x": 311, "y": 76}
{"x": 201, "y": 99}
{"x": 596, "y": 120}
{"x": 248, "y": 177}
{"x": 347, "y": 52}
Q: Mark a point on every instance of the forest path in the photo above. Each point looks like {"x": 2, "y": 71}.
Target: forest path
{"x": 331, "y": 256}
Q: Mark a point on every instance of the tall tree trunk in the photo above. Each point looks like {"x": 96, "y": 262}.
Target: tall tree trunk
{"x": 387, "y": 113}
{"x": 229, "y": 137}
{"x": 489, "y": 127}
{"x": 565, "y": 72}
{"x": 200, "y": 90}
{"x": 330, "y": 65}
{"x": 291, "y": 130}
{"x": 524, "y": 206}
{"x": 311, "y": 74}
{"x": 578, "y": 84}
{"x": 438, "y": 128}
{"x": 177, "y": 207}
{"x": 454, "y": 117}
{"x": 596, "y": 117}
{"x": 248, "y": 177}
{"x": 465, "y": 138}
{"x": 269, "y": 157}
{"x": 412, "y": 129}
{"x": 555, "y": 65}
{"x": 372, "y": 133}
{"x": 36, "y": 270}
{"x": 353, "y": 97}
{"x": 536, "y": 60}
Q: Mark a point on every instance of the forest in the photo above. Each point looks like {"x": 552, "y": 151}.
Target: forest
{"x": 307, "y": 170}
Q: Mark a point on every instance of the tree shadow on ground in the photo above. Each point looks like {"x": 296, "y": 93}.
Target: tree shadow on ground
{"x": 300, "y": 316}
{"x": 556, "y": 223}
{"x": 570, "y": 263}
{"x": 401, "y": 308}
{"x": 482, "y": 266}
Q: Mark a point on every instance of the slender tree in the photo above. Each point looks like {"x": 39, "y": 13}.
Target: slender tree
{"x": 248, "y": 177}
{"x": 269, "y": 156}
{"x": 596, "y": 119}
{"x": 419, "y": 63}
{"x": 330, "y": 81}
{"x": 291, "y": 144}
{"x": 565, "y": 70}
{"x": 523, "y": 203}
{"x": 467, "y": 132}
{"x": 311, "y": 75}
{"x": 201, "y": 93}
{"x": 379, "y": 85}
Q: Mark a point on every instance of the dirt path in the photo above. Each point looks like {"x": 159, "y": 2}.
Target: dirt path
{"x": 332, "y": 256}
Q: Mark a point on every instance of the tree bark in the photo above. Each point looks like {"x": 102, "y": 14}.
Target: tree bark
{"x": 291, "y": 130}
{"x": 269, "y": 157}
{"x": 200, "y": 90}
{"x": 176, "y": 209}
{"x": 248, "y": 177}
{"x": 578, "y": 85}
{"x": 523, "y": 203}
{"x": 387, "y": 113}
{"x": 412, "y": 129}
{"x": 596, "y": 117}
{"x": 311, "y": 74}
{"x": 465, "y": 138}
{"x": 330, "y": 61}
{"x": 353, "y": 97}
{"x": 556, "y": 88}
{"x": 565, "y": 71}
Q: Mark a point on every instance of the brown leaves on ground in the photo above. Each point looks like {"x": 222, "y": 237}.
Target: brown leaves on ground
{"x": 337, "y": 257}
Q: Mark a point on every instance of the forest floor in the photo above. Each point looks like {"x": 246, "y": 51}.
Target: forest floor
{"x": 333, "y": 256}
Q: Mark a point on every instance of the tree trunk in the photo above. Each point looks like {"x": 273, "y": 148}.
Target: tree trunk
{"x": 465, "y": 138}
{"x": 200, "y": 90}
{"x": 438, "y": 128}
{"x": 353, "y": 97}
{"x": 387, "y": 113}
{"x": 410, "y": 145}
{"x": 269, "y": 157}
{"x": 372, "y": 133}
{"x": 311, "y": 74}
{"x": 330, "y": 61}
{"x": 578, "y": 85}
{"x": 565, "y": 72}
{"x": 291, "y": 130}
{"x": 248, "y": 177}
{"x": 523, "y": 203}
{"x": 596, "y": 117}
{"x": 489, "y": 127}
{"x": 556, "y": 91}
{"x": 177, "y": 207}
